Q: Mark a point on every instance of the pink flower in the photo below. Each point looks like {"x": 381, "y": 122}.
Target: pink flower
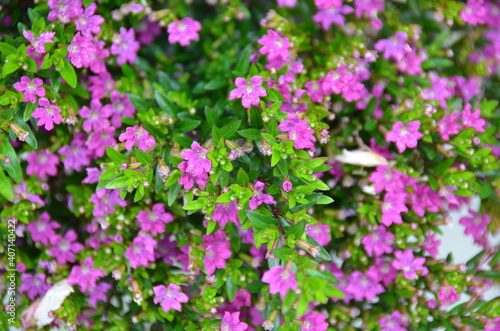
{"x": 395, "y": 47}
{"x": 395, "y": 322}
{"x": 38, "y": 43}
{"x": 216, "y": 251}
{"x": 409, "y": 265}
{"x": 280, "y": 280}
{"x": 493, "y": 325}
{"x": 231, "y": 322}
{"x": 47, "y": 114}
{"x": 93, "y": 175}
{"x": 431, "y": 245}
{"x": 41, "y": 164}
{"x": 141, "y": 252}
{"x": 183, "y": 31}
{"x": 96, "y": 116}
{"x": 387, "y": 179}
{"x": 448, "y": 126}
{"x": 121, "y": 107}
{"x": 369, "y": 7}
{"x": 276, "y": 49}
{"x": 331, "y": 16}
{"x": 405, "y": 136}
{"x": 82, "y": 51}
{"x": 34, "y": 285}
{"x": 474, "y": 12}
{"x": 383, "y": 271}
{"x": 226, "y": 212}
{"x": 65, "y": 10}
{"x": 88, "y": 23}
{"x": 98, "y": 141}
{"x": 393, "y": 206}
{"x": 137, "y": 135}
{"x": 259, "y": 198}
{"x": 314, "y": 322}
{"x": 65, "y": 248}
{"x": 249, "y": 92}
{"x": 473, "y": 119}
{"x": 424, "y": 197}
{"x": 188, "y": 179}
{"x": 155, "y": 220}
{"x": 441, "y": 90}
{"x": 197, "y": 160}
{"x": 378, "y": 242}
{"x": 320, "y": 233}
{"x": 363, "y": 286}
{"x": 42, "y": 230}
{"x": 105, "y": 201}
{"x": 298, "y": 131}
{"x": 100, "y": 85}
{"x": 327, "y": 4}
{"x": 98, "y": 293}
{"x": 242, "y": 298}
{"x": 77, "y": 154}
{"x": 287, "y": 3}
{"x": 125, "y": 46}
{"x": 30, "y": 88}
{"x": 85, "y": 276}
{"x": 287, "y": 186}
{"x": 477, "y": 227}
{"x": 448, "y": 294}
{"x": 170, "y": 298}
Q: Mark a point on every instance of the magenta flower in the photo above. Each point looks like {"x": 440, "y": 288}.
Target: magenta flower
{"x": 441, "y": 90}
{"x": 147, "y": 31}
{"x": 38, "y": 43}
{"x": 242, "y": 298}
{"x": 93, "y": 175}
{"x": 259, "y": 198}
{"x": 22, "y": 193}
{"x": 82, "y": 51}
{"x": 141, "y": 252}
{"x": 77, "y": 154}
{"x": 448, "y": 126}
{"x": 298, "y": 131}
{"x": 331, "y": 16}
{"x": 30, "y": 88}
{"x": 287, "y": 186}
{"x": 155, "y": 220}
{"x": 85, "y": 276}
{"x": 431, "y": 244}
{"x": 33, "y": 284}
{"x": 197, "y": 160}
{"x": 477, "y": 227}
{"x": 226, "y": 212}
{"x": 387, "y": 179}
{"x": 42, "y": 230}
{"x": 383, "y": 271}
{"x": 493, "y": 325}
{"x": 97, "y": 66}
{"x": 41, "y": 164}
{"x": 125, "y": 46}
{"x": 287, "y": 3}
{"x": 327, "y": 4}
{"x": 447, "y": 295}
{"x": 369, "y": 7}
{"x": 65, "y": 248}
{"x": 395, "y": 322}
{"x": 393, "y": 206}
{"x": 216, "y": 251}
{"x": 363, "y": 286}
{"x": 120, "y": 106}
{"x": 378, "y": 242}
{"x": 404, "y": 136}
{"x": 280, "y": 280}
{"x": 65, "y": 10}
{"x": 276, "y": 49}
{"x": 231, "y": 322}
{"x": 137, "y": 135}
{"x": 100, "y": 85}
{"x": 105, "y": 201}
{"x": 315, "y": 91}
{"x": 474, "y": 12}
{"x": 88, "y": 23}
{"x": 394, "y": 47}
{"x": 96, "y": 116}
{"x": 98, "y": 293}
{"x": 473, "y": 119}
{"x": 98, "y": 141}
{"x": 170, "y": 298}
{"x": 314, "y": 322}
{"x": 188, "y": 179}
{"x": 409, "y": 265}
{"x": 249, "y": 92}
{"x": 424, "y": 197}
{"x": 47, "y": 114}
{"x": 320, "y": 233}
{"x": 183, "y": 31}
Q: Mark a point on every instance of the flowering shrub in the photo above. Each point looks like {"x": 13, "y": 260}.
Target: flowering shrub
{"x": 248, "y": 165}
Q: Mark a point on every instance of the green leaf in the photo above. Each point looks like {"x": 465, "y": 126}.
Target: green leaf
{"x": 212, "y": 116}
{"x": 115, "y": 156}
{"x": 13, "y": 168}
{"x": 261, "y": 221}
{"x": 252, "y": 134}
{"x": 211, "y": 226}
{"x": 138, "y": 102}
{"x": 172, "y": 193}
{"x": 242, "y": 177}
{"x": 165, "y": 103}
{"x": 327, "y": 275}
{"x": 7, "y": 49}
{"x": 231, "y": 289}
{"x": 68, "y": 74}
{"x": 311, "y": 200}
{"x": 152, "y": 130}
{"x": 322, "y": 252}
{"x": 443, "y": 166}
{"x": 325, "y": 200}
{"x": 216, "y": 135}
{"x": 30, "y": 108}
{"x": 117, "y": 183}
{"x": 230, "y": 129}
{"x": 243, "y": 62}
{"x": 10, "y": 67}
{"x": 216, "y": 83}
{"x": 143, "y": 157}
{"x": 31, "y": 140}
{"x": 32, "y": 66}
{"x": 187, "y": 126}
{"x": 6, "y": 187}
{"x": 195, "y": 205}
{"x": 490, "y": 274}
{"x": 297, "y": 230}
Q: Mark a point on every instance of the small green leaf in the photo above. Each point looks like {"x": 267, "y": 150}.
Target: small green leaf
{"x": 165, "y": 103}
{"x": 327, "y": 275}
{"x": 117, "y": 183}
{"x": 261, "y": 221}
{"x": 115, "y": 156}
{"x": 6, "y": 186}
{"x": 311, "y": 200}
{"x": 322, "y": 252}
{"x": 216, "y": 83}
{"x": 195, "y": 205}
{"x": 187, "y": 126}
{"x": 297, "y": 230}
{"x": 243, "y": 62}
{"x": 143, "y": 157}
{"x": 13, "y": 168}
{"x": 242, "y": 177}
{"x": 252, "y": 134}
{"x": 7, "y": 49}
{"x": 231, "y": 289}
{"x": 10, "y": 67}
{"x": 68, "y": 74}
{"x": 211, "y": 226}
{"x": 230, "y": 129}
{"x": 172, "y": 193}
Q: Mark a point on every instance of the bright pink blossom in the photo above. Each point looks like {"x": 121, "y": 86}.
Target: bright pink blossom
{"x": 170, "y": 298}
{"x": 96, "y": 117}
{"x": 448, "y": 126}
{"x": 38, "y": 43}
{"x": 231, "y": 322}
{"x": 409, "y": 265}
{"x": 41, "y": 164}
{"x": 82, "y": 51}
{"x": 216, "y": 251}
{"x": 34, "y": 285}
{"x": 125, "y": 46}
{"x": 280, "y": 280}
{"x": 405, "y": 135}
{"x": 378, "y": 242}
{"x": 155, "y": 220}
{"x": 88, "y": 23}
{"x": 298, "y": 131}
{"x": 226, "y": 212}
{"x": 447, "y": 295}
{"x": 65, "y": 10}
{"x": 249, "y": 92}
{"x": 260, "y": 198}
{"x": 473, "y": 119}
{"x": 65, "y": 248}
{"x": 47, "y": 114}
{"x": 85, "y": 275}
{"x": 184, "y": 31}
{"x": 314, "y": 322}
{"x": 30, "y": 88}
{"x": 42, "y": 230}
{"x": 142, "y": 251}
{"x": 137, "y": 135}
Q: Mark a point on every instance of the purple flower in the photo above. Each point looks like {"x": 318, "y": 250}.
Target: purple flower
{"x": 226, "y": 212}
{"x": 121, "y": 107}
{"x": 82, "y": 51}
{"x": 98, "y": 293}
{"x": 315, "y": 91}
{"x": 477, "y": 227}
{"x": 327, "y": 4}
{"x": 287, "y": 186}
{"x": 41, "y": 164}
{"x": 125, "y": 46}
{"x": 363, "y": 286}
{"x": 405, "y": 136}
{"x": 30, "y": 88}
{"x": 298, "y": 131}
{"x": 93, "y": 175}
{"x": 155, "y": 220}
{"x": 249, "y": 92}
{"x": 183, "y": 31}
{"x": 395, "y": 47}
{"x": 287, "y": 3}
{"x": 188, "y": 179}
{"x": 331, "y": 16}
{"x": 96, "y": 116}
{"x": 448, "y": 294}
{"x": 441, "y": 90}
{"x": 409, "y": 265}
{"x": 424, "y": 197}
{"x": 314, "y": 322}
{"x": 65, "y": 248}
{"x": 47, "y": 114}
{"x": 88, "y": 23}
{"x": 137, "y": 135}
{"x": 387, "y": 179}
{"x": 100, "y": 85}
{"x": 276, "y": 49}
{"x": 22, "y": 193}
{"x": 170, "y": 298}
{"x": 42, "y": 230}
{"x": 216, "y": 251}
{"x": 448, "y": 126}
{"x": 320, "y": 233}
{"x": 431, "y": 245}
{"x": 370, "y": 7}
{"x": 473, "y": 119}
{"x": 85, "y": 276}
{"x": 141, "y": 252}
{"x": 242, "y": 298}
{"x": 383, "y": 271}
{"x": 231, "y": 322}
{"x": 393, "y": 206}
{"x": 147, "y": 31}
{"x": 259, "y": 198}
{"x": 38, "y": 43}
{"x": 65, "y": 10}
{"x": 77, "y": 154}
{"x": 474, "y": 12}
{"x": 280, "y": 280}
{"x": 105, "y": 201}
{"x": 394, "y": 322}
{"x": 34, "y": 285}
{"x": 378, "y": 242}
{"x": 98, "y": 141}
{"x": 197, "y": 160}
{"x": 493, "y": 325}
